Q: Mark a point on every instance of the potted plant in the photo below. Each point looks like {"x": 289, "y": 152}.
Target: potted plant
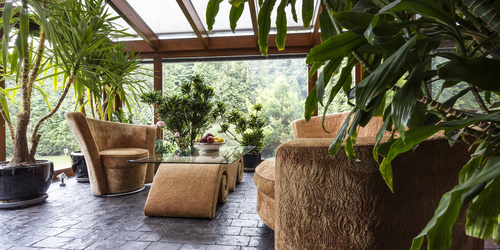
{"x": 396, "y": 43}
{"x": 43, "y": 40}
{"x": 184, "y": 115}
{"x": 248, "y": 131}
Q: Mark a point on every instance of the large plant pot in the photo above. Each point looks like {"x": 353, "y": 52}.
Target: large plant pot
{"x": 250, "y": 161}
{"x": 25, "y": 185}
{"x": 79, "y": 166}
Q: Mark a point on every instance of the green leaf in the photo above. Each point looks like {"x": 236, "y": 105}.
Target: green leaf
{"x": 7, "y": 9}
{"x": 45, "y": 96}
{"x": 315, "y": 66}
{"x": 339, "y": 138}
{"x": 294, "y": 10}
{"x": 381, "y": 77}
{"x": 481, "y": 72}
{"x": 337, "y": 46}
{"x": 354, "y": 21}
{"x": 326, "y": 25}
{"x": 496, "y": 233}
{"x": 281, "y": 25}
{"x": 237, "y": 3}
{"x": 438, "y": 230}
{"x": 482, "y": 215}
{"x": 349, "y": 149}
{"x": 379, "y": 136}
{"x": 307, "y": 12}
{"x": 234, "y": 15}
{"x": 311, "y": 104}
{"x": 5, "y": 106}
{"x": 24, "y": 29}
{"x": 212, "y": 10}
{"x": 405, "y": 99}
{"x": 427, "y": 8}
{"x": 264, "y": 21}
{"x": 324, "y": 77}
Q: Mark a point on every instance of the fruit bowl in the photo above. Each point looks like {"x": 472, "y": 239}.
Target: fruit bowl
{"x": 209, "y": 148}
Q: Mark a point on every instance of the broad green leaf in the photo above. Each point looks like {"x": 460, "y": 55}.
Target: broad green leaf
{"x": 307, "y": 12}
{"x": 315, "y": 66}
{"x": 496, "y": 233}
{"x": 237, "y": 3}
{"x": 482, "y": 215}
{"x": 294, "y": 10}
{"x": 438, "y": 230}
{"x": 281, "y": 25}
{"x": 334, "y": 47}
{"x": 326, "y": 25}
{"x": 380, "y": 78}
{"x": 427, "y": 8}
{"x": 354, "y": 21}
{"x": 212, "y": 10}
{"x": 339, "y": 138}
{"x": 264, "y": 21}
{"x": 344, "y": 79}
{"x": 481, "y": 72}
{"x": 311, "y": 104}
{"x": 349, "y": 149}
{"x": 234, "y": 15}
{"x": 324, "y": 77}
{"x": 379, "y": 136}
{"x": 405, "y": 99}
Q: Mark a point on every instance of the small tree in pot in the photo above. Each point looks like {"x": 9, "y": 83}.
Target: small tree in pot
{"x": 41, "y": 40}
{"x": 187, "y": 114}
{"x": 248, "y": 131}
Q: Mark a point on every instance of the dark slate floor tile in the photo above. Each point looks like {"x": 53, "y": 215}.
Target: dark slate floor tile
{"x": 219, "y": 247}
{"x": 79, "y": 243}
{"x": 29, "y": 240}
{"x": 234, "y": 240}
{"x": 164, "y": 246}
{"x": 190, "y": 238}
{"x": 76, "y": 233}
{"x": 193, "y": 247}
{"x": 53, "y": 241}
{"x": 150, "y": 236}
{"x": 106, "y": 244}
{"x": 135, "y": 245}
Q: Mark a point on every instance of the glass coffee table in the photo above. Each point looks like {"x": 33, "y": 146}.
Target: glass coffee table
{"x": 191, "y": 185}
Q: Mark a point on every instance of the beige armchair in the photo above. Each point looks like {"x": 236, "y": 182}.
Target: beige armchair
{"x": 314, "y": 200}
{"x": 107, "y": 147}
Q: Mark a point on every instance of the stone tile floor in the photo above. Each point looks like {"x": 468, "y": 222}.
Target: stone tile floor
{"x": 73, "y": 218}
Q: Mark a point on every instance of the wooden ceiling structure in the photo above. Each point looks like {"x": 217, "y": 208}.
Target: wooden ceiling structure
{"x": 205, "y": 46}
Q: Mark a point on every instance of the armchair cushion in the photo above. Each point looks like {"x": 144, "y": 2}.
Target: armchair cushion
{"x": 118, "y": 157}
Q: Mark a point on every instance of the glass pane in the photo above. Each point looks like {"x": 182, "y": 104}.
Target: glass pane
{"x": 221, "y": 25}
{"x": 279, "y": 85}
{"x": 123, "y": 25}
{"x": 165, "y": 18}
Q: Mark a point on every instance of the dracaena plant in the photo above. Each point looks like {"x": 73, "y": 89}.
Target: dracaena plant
{"x": 44, "y": 39}
{"x": 396, "y": 43}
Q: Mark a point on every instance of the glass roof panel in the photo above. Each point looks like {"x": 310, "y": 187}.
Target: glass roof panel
{"x": 123, "y": 25}
{"x": 292, "y": 26}
{"x": 221, "y": 25}
{"x": 163, "y": 17}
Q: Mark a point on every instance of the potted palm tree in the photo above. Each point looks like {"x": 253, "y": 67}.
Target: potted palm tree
{"x": 44, "y": 39}
{"x": 398, "y": 43}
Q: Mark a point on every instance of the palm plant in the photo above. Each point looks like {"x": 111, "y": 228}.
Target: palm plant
{"x": 396, "y": 43}
{"x": 64, "y": 37}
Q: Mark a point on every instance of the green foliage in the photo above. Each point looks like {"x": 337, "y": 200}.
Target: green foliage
{"x": 250, "y": 128}
{"x": 187, "y": 113}
{"x": 397, "y": 44}
{"x": 120, "y": 116}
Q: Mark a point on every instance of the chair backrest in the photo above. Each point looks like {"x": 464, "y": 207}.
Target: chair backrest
{"x": 80, "y": 127}
{"x": 333, "y": 122}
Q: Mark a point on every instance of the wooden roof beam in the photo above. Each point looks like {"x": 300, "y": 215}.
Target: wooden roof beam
{"x": 194, "y": 20}
{"x": 255, "y": 24}
{"x": 315, "y": 35}
{"x": 135, "y": 21}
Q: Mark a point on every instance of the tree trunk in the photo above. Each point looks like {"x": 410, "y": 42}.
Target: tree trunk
{"x": 21, "y": 155}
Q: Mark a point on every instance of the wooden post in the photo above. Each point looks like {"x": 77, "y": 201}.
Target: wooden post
{"x": 358, "y": 73}
{"x": 158, "y": 86}
{"x": 311, "y": 82}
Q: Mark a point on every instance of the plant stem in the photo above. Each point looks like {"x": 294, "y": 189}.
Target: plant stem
{"x": 479, "y": 99}
{"x": 35, "y": 137}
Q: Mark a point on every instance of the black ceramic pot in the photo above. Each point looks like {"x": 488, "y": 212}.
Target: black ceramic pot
{"x": 79, "y": 166}
{"x": 25, "y": 182}
{"x": 251, "y": 161}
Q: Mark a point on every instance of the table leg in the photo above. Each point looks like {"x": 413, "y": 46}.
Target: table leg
{"x": 187, "y": 190}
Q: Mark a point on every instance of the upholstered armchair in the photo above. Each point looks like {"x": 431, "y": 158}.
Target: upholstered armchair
{"x": 314, "y": 200}
{"x": 107, "y": 147}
